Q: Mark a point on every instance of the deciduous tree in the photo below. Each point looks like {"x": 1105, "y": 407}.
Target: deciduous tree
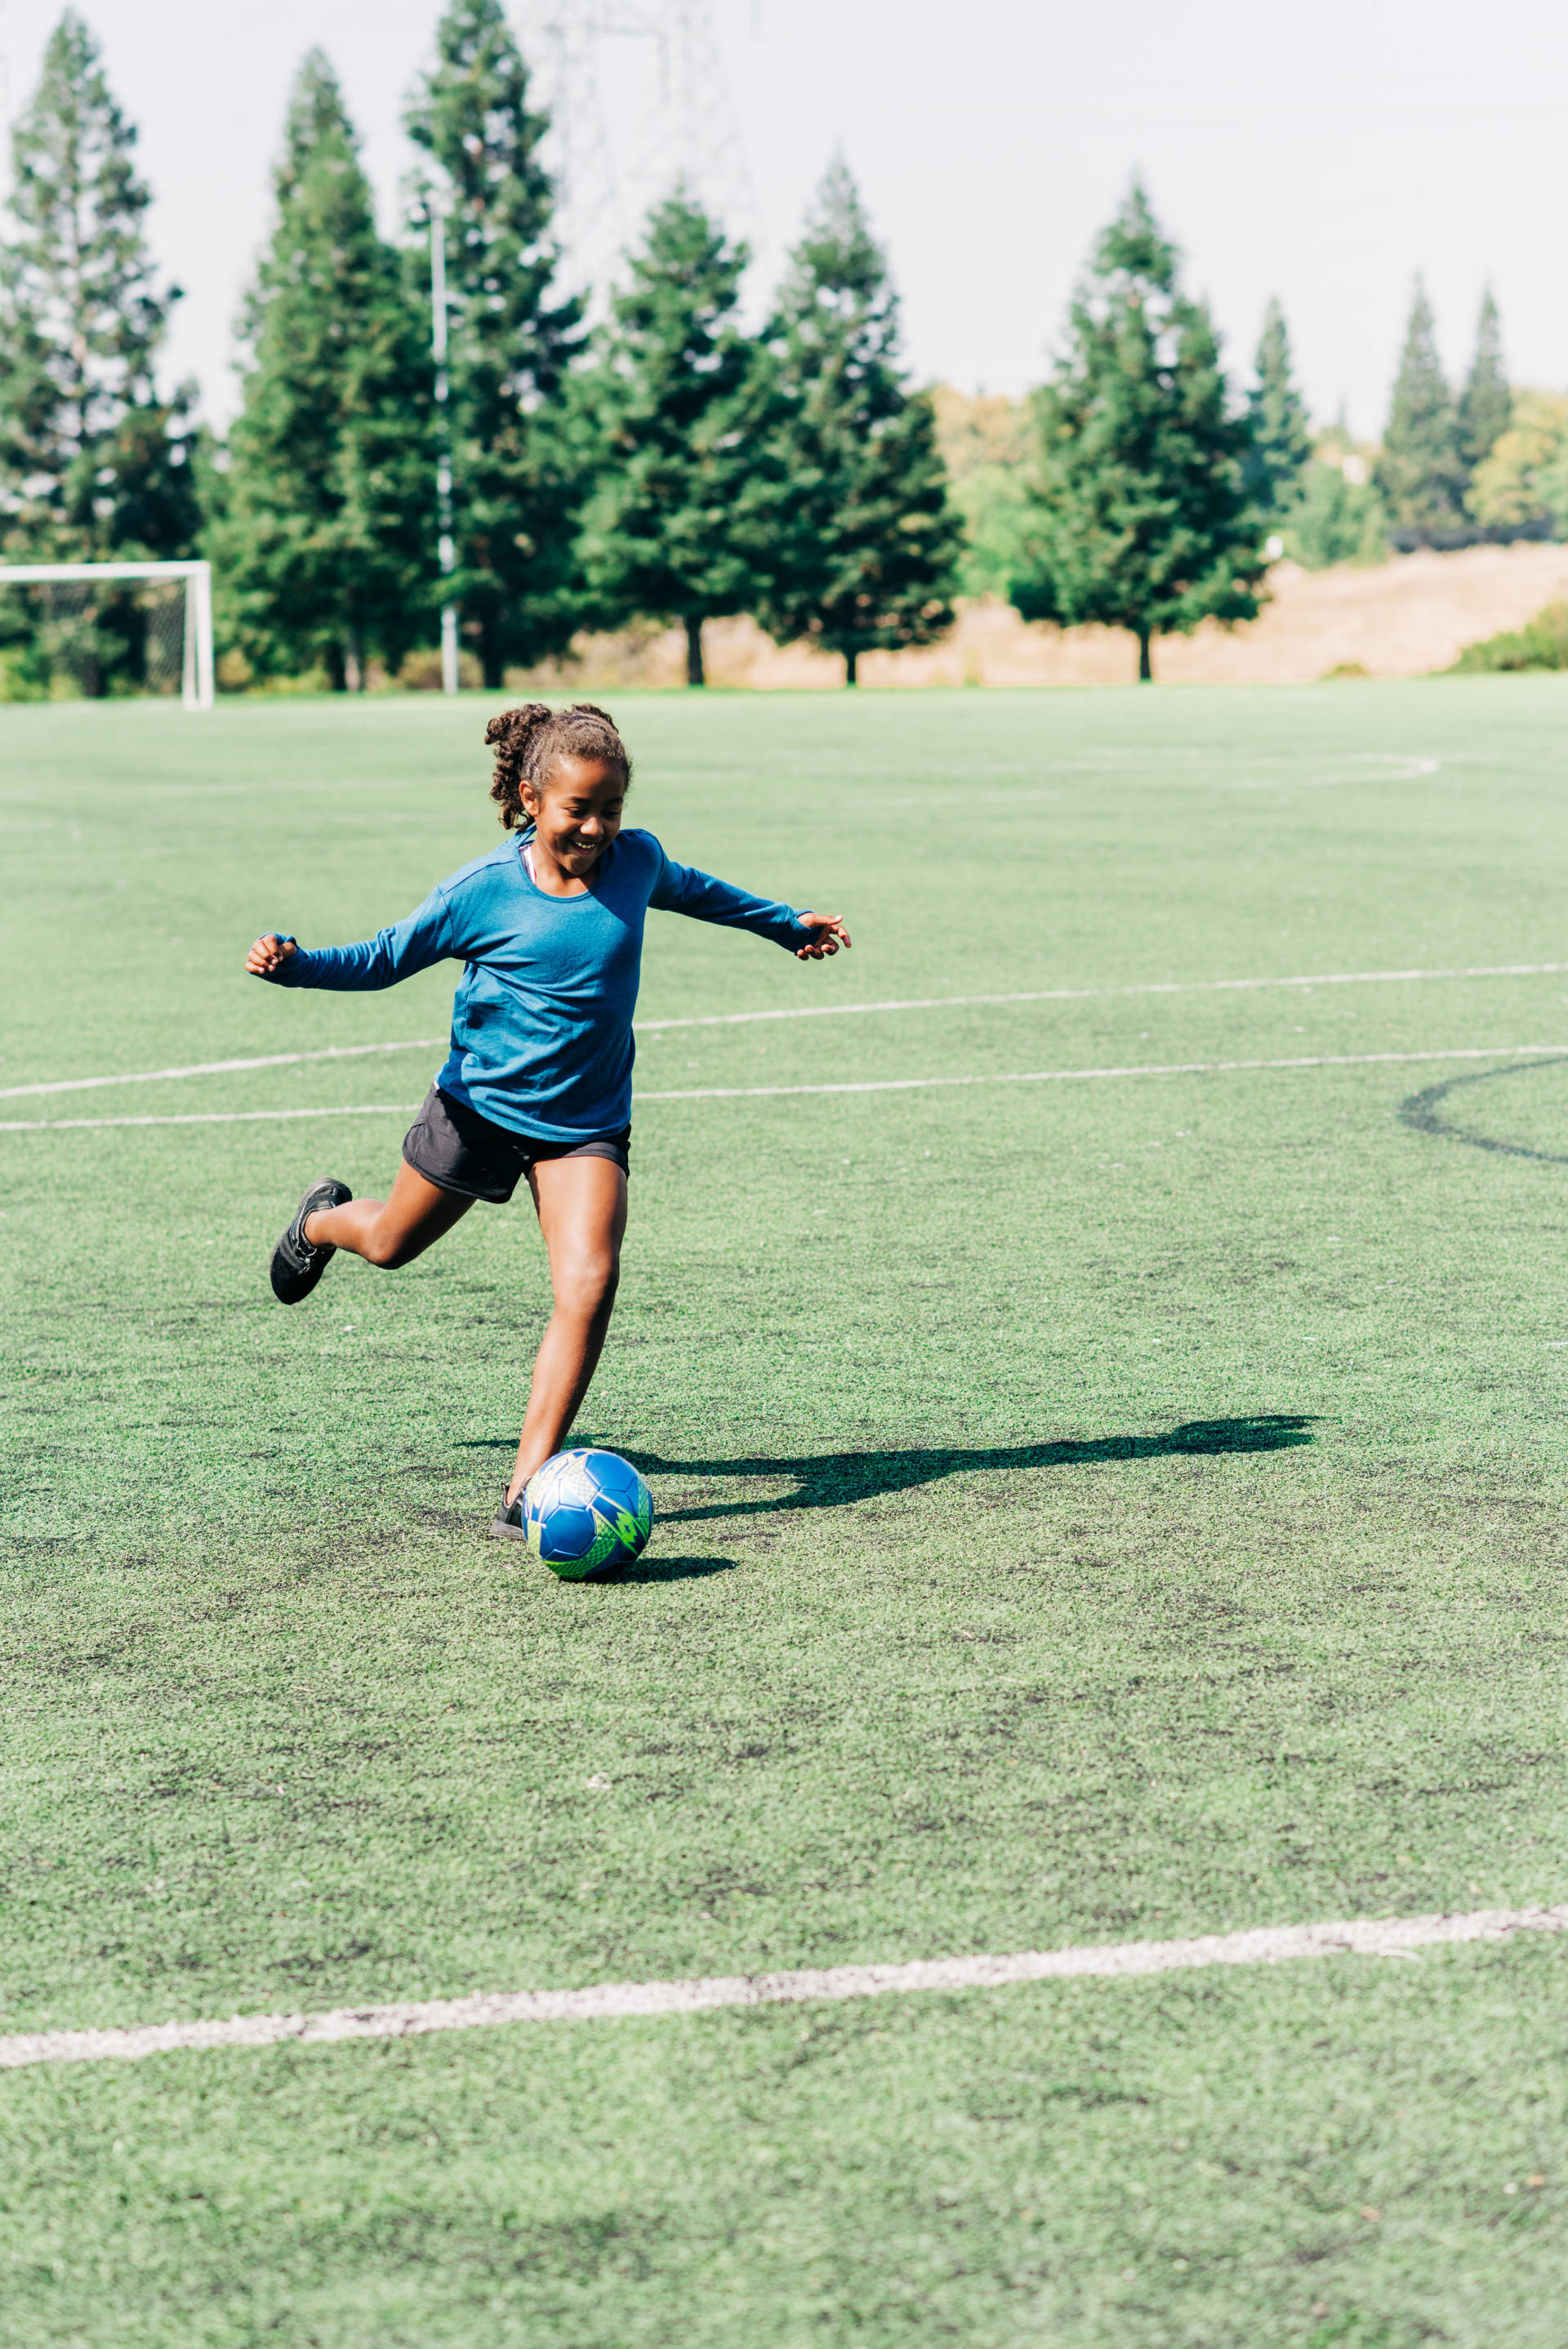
{"x": 987, "y": 444}
{"x": 1525, "y": 478}
{"x": 1339, "y": 516}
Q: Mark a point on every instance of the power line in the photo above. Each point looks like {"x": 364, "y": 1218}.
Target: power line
{"x": 684, "y": 129}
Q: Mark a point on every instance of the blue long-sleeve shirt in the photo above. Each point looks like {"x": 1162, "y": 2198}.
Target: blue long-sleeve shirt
{"x": 541, "y": 1022}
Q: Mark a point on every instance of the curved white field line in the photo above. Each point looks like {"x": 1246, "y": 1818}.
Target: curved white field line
{"x": 1391, "y": 1937}
{"x": 1387, "y": 766}
{"x": 811, "y": 1012}
{"x": 869, "y": 1085}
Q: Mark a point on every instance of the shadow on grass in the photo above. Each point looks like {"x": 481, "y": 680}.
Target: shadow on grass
{"x": 835, "y": 1480}
{"x": 664, "y": 1569}
{"x": 832, "y": 1480}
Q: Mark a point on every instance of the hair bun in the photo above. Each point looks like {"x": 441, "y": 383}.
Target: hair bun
{"x": 530, "y": 741}
{"x": 513, "y": 727}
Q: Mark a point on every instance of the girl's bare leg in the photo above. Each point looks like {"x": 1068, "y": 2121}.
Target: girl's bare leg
{"x": 581, "y": 1205}
{"x": 392, "y": 1231}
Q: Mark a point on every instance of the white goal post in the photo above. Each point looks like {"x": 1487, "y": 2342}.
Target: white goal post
{"x": 196, "y": 664}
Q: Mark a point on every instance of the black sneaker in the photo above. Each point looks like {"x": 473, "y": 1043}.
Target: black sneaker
{"x": 507, "y": 1522}
{"x": 297, "y": 1266}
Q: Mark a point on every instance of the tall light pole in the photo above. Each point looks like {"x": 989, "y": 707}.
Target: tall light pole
{"x": 446, "y": 545}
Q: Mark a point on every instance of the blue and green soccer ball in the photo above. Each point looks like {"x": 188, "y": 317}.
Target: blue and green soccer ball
{"x": 587, "y": 1515}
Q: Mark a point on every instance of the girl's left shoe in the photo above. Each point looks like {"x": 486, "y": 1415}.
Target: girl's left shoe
{"x": 298, "y": 1262}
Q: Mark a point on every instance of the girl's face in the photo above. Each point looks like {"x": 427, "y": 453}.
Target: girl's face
{"x": 577, "y": 814}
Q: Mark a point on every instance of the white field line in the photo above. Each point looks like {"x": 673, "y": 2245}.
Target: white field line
{"x": 1070, "y": 1076}
{"x": 770, "y": 1092}
{"x": 1391, "y": 1937}
{"x": 815, "y": 1011}
{"x": 222, "y": 1068}
{"x": 206, "y": 1117}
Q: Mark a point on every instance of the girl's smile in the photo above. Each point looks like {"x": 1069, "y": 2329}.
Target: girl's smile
{"x": 575, "y": 818}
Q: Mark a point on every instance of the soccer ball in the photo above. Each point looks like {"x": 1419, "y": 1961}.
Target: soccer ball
{"x": 587, "y": 1515}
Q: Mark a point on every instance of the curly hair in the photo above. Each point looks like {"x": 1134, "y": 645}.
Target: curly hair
{"x": 531, "y": 742}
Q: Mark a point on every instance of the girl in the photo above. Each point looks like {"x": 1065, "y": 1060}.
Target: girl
{"x": 538, "y": 1083}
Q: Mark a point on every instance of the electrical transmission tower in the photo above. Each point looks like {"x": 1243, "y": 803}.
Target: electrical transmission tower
{"x": 678, "y": 125}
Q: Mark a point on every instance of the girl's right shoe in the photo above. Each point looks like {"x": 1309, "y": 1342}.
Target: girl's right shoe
{"x": 298, "y": 1262}
{"x": 507, "y": 1525}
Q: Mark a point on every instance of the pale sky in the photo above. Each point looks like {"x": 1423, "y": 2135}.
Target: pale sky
{"x": 1324, "y": 155}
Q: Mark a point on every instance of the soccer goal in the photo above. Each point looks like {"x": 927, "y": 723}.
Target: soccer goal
{"x": 108, "y": 627}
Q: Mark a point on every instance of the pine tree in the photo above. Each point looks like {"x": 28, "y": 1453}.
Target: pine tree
{"x": 680, "y": 524}
{"x": 1420, "y": 473}
{"x": 1141, "y": 518}
{"x": 868, "y": 549}
{"x": 1486, "y": 403}
{"x": 93, "y": 463}
{"x": 516, "y": 481}
{"x": 1276, "y": 412}
{"x": 325, "y": 541}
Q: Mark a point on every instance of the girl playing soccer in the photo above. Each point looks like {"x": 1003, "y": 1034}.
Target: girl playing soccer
{"x": 537, "y": 1081}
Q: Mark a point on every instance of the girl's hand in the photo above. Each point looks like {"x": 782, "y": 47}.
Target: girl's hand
{"x": 269, "y": 954}
{"x": 831, "y": 936}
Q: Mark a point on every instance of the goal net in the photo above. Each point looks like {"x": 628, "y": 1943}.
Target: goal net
{"x": 97, "y": 629}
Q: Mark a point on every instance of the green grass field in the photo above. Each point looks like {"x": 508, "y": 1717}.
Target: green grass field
{"x": 1090, "y": 1511}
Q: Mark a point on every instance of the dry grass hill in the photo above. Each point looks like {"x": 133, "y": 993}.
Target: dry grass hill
{"x": 1401, "y": 619}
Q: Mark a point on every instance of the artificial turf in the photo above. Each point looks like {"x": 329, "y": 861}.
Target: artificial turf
{"x": 1088, "y": 1511}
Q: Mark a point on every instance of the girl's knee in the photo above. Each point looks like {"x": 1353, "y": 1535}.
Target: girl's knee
{"x": 586, "y": 1284}
{"x": 387, "y": 1252}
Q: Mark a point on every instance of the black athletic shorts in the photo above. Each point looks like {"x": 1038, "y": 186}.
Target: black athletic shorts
{"x": 455, "y": 1146}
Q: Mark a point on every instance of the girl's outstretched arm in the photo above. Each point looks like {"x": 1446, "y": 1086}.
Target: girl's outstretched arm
{"x": 426, "y": 936}
{"x": 682, "y": 889}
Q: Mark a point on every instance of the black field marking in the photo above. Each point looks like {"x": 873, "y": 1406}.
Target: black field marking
{"x": 1419, "y": 1113}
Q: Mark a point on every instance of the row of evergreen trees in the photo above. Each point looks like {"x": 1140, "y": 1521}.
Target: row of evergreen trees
{"x": 1423, "y": 485}
{"x": 1434, "y": 443}
{"x": 1155, "y": 501}
{"x": 1140, "y": 350}
{"x": 669, "y": 466}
